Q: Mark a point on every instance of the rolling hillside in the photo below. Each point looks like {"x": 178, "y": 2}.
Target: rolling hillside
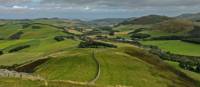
{"x": 150, "y": 19}
{"x": 195, "y": 16}
{"x": 60, "y": 62}
{"x": 175, "y": 26}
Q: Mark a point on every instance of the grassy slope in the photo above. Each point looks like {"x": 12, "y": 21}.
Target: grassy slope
{"x": 38, "y": 49}
{"x": 9, "y": 29}
{"x": 76, "y": 65}
{"x": 7, "y": 43}
{"x": 177, "y": 47}
{"x": 45, "y": 31}
{"x": 41, "y": 40}
{"x": 118, "y": 68}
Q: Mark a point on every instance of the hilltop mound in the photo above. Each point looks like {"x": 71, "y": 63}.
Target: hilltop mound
{"x": 107, "y": 21}
{"x": 175, "y": 26}
{"x": 190, "y": 16}
{"x": 151, "y": 19}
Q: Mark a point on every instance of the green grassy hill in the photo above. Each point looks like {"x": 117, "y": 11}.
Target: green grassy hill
{"x": 63, "y": 64}
{"x": 145, "y": 20}
{"x": 175, "y": 26}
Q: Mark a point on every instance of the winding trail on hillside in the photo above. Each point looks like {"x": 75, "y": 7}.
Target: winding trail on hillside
{"x": 98, "y": 73}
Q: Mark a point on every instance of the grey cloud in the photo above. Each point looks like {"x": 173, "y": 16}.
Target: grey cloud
{"x": 127, "y": 3}
{"x": 102, "y": 8}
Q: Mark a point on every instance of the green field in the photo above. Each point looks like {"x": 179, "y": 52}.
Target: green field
{"x": 176, "y": 46}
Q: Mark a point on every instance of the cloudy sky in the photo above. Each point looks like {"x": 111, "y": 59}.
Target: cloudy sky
{"x": 94, "y": 9}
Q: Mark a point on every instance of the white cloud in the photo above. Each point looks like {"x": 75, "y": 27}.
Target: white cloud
{"x": 87, "y": 8}
{"x": 19, "y": 7}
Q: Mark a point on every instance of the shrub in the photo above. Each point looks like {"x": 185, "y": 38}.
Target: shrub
{"x": 19, "y": 48}
{"x": 59, "y": 38}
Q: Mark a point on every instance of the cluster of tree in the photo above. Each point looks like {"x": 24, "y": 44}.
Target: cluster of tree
{"x": 19, "y": 48}
{"x": 140, "y": 36}
{"x": 191, "y": 63}
{"x": 169, "y": 38}
{"x": 195, "y": 32}
{"x": 192, "y": 40}
{"x": 16, "y": 35}
{"x": 95, "y": 44}
{"x": 62, "y": 38}
{"x": 190, "y": 67}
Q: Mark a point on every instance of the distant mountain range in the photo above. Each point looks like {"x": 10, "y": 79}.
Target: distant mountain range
{"x": 109, "y": 21}
{"x": 195, "y": 16}
{"x": 150, "y": 19}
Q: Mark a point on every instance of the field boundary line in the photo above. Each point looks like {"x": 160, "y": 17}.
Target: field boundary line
{"x": 98, "y": 73}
